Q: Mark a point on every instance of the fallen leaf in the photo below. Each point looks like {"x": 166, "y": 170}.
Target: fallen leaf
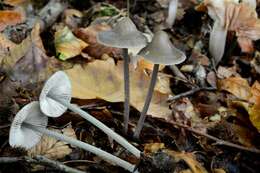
{"x": 95, "y": 49}
{"x": 67, "y": 45}
{"x": 243, "y": 19}
{"x": 5, "y": 46}
{"x": 237, "y": 86}
{"x": 144, "y": 64}
{"x": 254, "y": 111}
{"x": 104, "y": 80}
{"x": 26, "y": 66}
{"x": 153, "y": 147}
{"x": 189, "y": 158}
{"x": 10, "y": 17}
{"x": 52, "y": 148}
{"x": 14, "y": 2}
{"x": 72, "y": 18}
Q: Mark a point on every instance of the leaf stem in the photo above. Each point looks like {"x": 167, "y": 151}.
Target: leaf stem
{"x": 147, "y": 101}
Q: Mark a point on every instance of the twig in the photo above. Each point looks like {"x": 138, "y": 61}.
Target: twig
{"x": 191, "y": 92}
{"x": 218, "y": 141}
{"x": 4, "y": 126}
{"x": 47, "y": 16}
{"x": 41, "y": 160}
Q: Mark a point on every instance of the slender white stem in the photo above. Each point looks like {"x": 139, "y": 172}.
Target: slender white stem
{"x": 105, "y": 155}
{"x": 101, "y": 126}
{"x": 147, "y": 101}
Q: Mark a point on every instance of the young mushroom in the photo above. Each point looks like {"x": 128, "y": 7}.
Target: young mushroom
{"x": 30, "y": 124}
{"x": 159, "y": 51}
{"x": 55, "y": 99}
{"x": 124, "y": 35}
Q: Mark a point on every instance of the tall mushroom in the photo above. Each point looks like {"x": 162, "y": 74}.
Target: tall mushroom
{"x": 55, "y": 99}
{"x": 124, "y": 35}
{"x": 30, "y": 124}
{"x": 159, "y": 51}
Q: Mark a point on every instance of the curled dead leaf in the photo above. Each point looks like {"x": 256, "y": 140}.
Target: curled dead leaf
{"x": 96, "y": 50}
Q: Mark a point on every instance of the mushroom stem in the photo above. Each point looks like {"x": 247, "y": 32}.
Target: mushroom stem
{"x": 101, "y": 126}
{"x": 147, "y": 101}
{"x": 87, "y": 147}
{"x": 127, "y": 90}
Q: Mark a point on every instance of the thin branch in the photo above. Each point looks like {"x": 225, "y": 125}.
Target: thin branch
{"x": 191, "y": 92}
{"x": 41, "y": 160}
{"x": 218, "y": 141}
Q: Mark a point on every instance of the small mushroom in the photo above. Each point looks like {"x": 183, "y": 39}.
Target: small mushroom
{"x": 30, "y": 124}
{"x": 159, "y": 51}
{"x": 124, "y": 35}
{"x": 54, "y": 100}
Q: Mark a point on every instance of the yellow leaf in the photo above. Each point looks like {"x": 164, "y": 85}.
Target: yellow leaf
{"x": 237, "y": 86}
{"x": 153, "y": 147}
{"x": 67, "y": 45}
{"x": 52, "y": 148}
{"x": 104, "y": 79}
{"x": 189, "y": 158}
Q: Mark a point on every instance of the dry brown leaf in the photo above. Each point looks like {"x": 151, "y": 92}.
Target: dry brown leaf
{"x": 243, "y": 19}
{"x": 5, "y": 46}
{"x": 144, "y": 64}
{"x": 104, "y": 79}
{"x": 52, "y": 148}
{"x": 18, "y": 51}
{"x": 189, "y": 158}
{"x": 10, "y": 17}
{"x": 96, "y": 50}
{"x": 14, "y": 2}
{"x": 237, "y": 86}
{"x": 72, "y": 18}
{"x": 67, "y": 45}
{"x": 254, "y": 111}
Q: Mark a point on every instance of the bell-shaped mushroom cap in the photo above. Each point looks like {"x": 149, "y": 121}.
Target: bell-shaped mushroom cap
{"x": 162, "y": 51}
{"x": 58, "y": 87}
{"x": 123, "y": 35}
{"x": 21, "y": 136}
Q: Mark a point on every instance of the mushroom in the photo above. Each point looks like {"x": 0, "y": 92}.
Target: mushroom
{"x": 159, "y": 51}
{"x": 124, "y": 35}
{"x": 30, "y": 124}
{"x": 55, "y": 99}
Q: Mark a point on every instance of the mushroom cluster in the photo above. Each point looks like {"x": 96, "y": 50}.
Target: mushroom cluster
{"x": 31, "y": 121}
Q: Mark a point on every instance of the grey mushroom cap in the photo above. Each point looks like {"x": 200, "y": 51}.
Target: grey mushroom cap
{"x": 161, "y": 51}
{"x": 123, "y": 35}
{"x": 57, "y": 87}
{"x": 20, "y": 136}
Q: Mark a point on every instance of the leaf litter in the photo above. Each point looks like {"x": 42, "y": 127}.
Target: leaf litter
{"x": 215, "y": 130}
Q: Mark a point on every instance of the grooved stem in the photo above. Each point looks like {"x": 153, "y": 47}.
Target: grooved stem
{"x": 147, "y": 101}
{"x": 101, "y": 126}
{"x": 126, "y": 89}
{"x": 105, "y": 155}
